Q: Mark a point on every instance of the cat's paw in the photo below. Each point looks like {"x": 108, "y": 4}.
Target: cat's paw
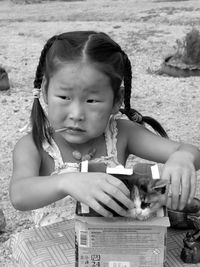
{"x": 143, "y": 214}
{"x": 137, "y": 214}
{"x": 142, "y": 217}
{"x": 140, "y": 214}
{"x": 132, "y": 213}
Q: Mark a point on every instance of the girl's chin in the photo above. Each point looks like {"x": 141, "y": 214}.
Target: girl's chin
{"x": 75, "y": 139}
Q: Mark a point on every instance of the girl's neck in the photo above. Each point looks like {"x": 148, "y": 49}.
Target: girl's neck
{"x": 78, "y": 152}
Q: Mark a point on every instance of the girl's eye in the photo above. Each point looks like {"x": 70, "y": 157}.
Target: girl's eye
{"x": 64, "y": 97}
{"x": 92, "y": 101}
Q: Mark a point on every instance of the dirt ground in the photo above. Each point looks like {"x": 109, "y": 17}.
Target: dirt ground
{"x": 146, "y": 29}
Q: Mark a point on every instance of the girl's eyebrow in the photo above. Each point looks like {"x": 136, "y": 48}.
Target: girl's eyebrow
{"x": 65, "y": 88}
{"x": 87, "y": 90}
{"x": 92, "y": 90}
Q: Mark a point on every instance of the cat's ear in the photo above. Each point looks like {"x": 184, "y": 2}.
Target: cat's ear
{"x": 159, "y": 185}
{"x": 142, "y": 182}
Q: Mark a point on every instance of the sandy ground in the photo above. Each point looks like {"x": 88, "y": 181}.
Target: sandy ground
{"x": 146, "y": 29}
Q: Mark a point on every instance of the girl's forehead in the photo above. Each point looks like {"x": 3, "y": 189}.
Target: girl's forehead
{"x": 80, "y": 74}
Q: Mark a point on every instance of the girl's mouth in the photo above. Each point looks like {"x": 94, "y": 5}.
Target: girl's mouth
{"x": 60, "y": 130}
{"x": 70, "y": 130}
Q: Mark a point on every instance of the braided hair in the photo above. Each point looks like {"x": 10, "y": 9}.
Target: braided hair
{"x": 40, "y": 124}
{"x": 131, "y": 113}
{"x": 105, "y": 54}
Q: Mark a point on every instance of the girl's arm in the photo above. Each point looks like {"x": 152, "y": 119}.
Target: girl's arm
{"x": 150, "y": 146}
{"x": 30, "y": 191}
{"x": 180, "y": 160}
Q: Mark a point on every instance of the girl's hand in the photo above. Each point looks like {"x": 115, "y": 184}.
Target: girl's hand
{"x": 98, "y": 189}
{"x": 179, "y": 170}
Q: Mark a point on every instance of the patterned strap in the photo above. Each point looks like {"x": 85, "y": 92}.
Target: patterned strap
{"x": 110, "y": 160}
{"x": 54, "y": 152}
{"x": 111, "y": 139}
{"x": 111, "y": 132}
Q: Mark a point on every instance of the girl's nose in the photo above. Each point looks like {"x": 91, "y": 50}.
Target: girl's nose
{"x": 76, "y": 112}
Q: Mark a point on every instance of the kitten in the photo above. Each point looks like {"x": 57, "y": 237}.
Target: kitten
{"x": 142, "y": 189}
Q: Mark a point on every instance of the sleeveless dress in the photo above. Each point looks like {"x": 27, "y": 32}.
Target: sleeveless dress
{"x": 53, "y": 243}
{"x": 65, "y": 208}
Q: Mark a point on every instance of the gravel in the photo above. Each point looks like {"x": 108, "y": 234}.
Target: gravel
{"x": 146, "y": 29}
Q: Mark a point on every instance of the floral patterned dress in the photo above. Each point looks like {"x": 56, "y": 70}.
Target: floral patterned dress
{"x": 65, "y": 208}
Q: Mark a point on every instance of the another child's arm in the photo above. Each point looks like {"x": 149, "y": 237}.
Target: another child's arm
{"x": 29, "y": 190}
{"x": 180, "y": 160}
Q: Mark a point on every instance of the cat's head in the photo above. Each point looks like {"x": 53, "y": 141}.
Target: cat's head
{"x": 147, "y": 185}
{"x": 147, "y": 188}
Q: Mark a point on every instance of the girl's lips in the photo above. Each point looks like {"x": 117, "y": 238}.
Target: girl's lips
{"x": 69, "y": 129}
{"x": 60, "y": 130}
{"x": 74, "y": 130}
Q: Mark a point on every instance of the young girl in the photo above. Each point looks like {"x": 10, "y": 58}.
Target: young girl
{"x": 80, "y": 75}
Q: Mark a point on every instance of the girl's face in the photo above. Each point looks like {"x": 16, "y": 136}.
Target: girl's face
{"x": 80, "y": 100}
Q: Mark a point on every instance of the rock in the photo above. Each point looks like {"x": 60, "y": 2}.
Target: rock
{"x": 2, "y": 221}
{"x": 176, "y": 68}
{"x": 4, "y": 81}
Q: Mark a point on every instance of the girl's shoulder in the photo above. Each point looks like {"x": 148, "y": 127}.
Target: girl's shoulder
{"x": 126, "y": 126}
{"x": 25, "y": 140}
{"x": 125, "y": 130}
{"x": 26, "y": 144}
{"x": 132, "y": 133}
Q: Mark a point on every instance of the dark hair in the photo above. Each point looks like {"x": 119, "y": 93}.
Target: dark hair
{"x": 99, "y": 49}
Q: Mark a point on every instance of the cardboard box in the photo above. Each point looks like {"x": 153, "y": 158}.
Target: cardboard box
{"x": 120, "y": 242}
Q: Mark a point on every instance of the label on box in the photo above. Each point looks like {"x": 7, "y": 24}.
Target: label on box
{"x": 119, "y": 243}
{"x": 119, "y": 264}
{"x": 83, "y": 238}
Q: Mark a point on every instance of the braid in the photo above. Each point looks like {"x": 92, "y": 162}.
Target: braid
{"x": 131, "y": 113}
{"x": 40, "y": 68}
{"x": 127, "y": 82}
{"x": 40, "y": 124}
{"x": 155, "y": 125}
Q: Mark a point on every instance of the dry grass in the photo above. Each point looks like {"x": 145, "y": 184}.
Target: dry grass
{"x": 146, "y": 29}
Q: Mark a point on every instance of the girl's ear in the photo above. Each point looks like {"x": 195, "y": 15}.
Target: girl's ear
{"x": 118, "y": 101}
{"x": 44, "y": 90}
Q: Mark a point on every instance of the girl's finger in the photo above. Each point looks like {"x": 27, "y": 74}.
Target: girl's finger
{"x": 168, "y": 196}
{"x": 119, "y": 184}
{"x": 111, "y": 203}
{"x": 118, "y": 194}
{"x": 169, "y": 202}
{"x": 193, "y": 182}
{"x": 165, "y": 175}
{"x": 185, "y": 190}
{"x": 95, "y": 205}
{"x": 175, "y": 189}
